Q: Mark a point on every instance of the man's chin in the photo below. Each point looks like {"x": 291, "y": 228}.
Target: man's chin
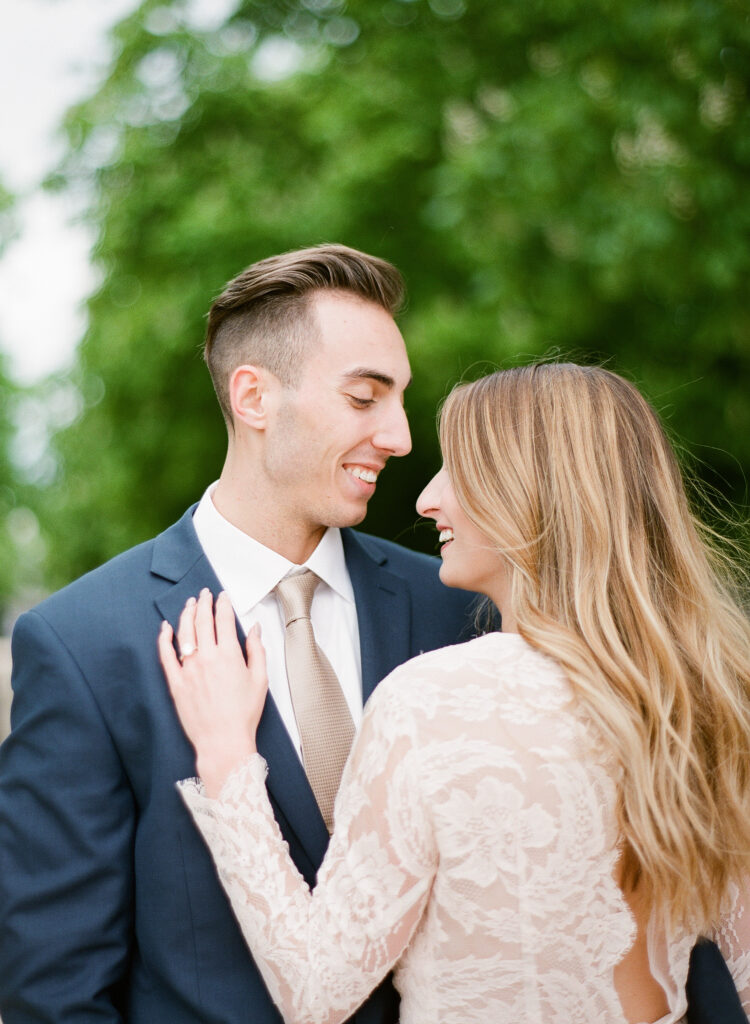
{"x": 352, "y": 516}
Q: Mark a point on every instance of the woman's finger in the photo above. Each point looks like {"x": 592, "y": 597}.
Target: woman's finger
{"x": 167, "y": 656}
{"x": 226, "y": 628}
{"x": 256, "y": 659}
{"x": 186, "y": 630}
{"x": 204, "y": 620}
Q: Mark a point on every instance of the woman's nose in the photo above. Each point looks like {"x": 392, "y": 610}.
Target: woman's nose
{"x": 428, "y": 501}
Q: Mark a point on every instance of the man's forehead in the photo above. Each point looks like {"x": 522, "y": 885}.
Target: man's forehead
{"x": 337, "y": 313}
{"x": 370, "y": 373}
{"x": 359, "y": 340}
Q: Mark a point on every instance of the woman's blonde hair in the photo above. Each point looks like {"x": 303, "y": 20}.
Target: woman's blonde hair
{"x": 568, "y": 471}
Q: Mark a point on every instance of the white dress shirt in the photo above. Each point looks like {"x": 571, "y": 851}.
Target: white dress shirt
{"x": 248, "y": 571}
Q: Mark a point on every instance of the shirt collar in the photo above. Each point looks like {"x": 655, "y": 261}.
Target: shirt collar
{"x": 249, "y": 571}
{"x": 328, "y": 562}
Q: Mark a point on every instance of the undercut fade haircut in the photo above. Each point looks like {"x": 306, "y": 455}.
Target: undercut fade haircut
{"x": 264, "y": 316}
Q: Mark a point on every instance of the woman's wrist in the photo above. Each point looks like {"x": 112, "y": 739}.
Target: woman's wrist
{"x": 215, "y": 766}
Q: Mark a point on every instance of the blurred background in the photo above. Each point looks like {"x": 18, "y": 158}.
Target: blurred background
{"x": 551, "y": 176}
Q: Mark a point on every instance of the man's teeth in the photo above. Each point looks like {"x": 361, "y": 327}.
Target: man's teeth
{"x": 445, "y": 535}
{"x": 368, "y": 475}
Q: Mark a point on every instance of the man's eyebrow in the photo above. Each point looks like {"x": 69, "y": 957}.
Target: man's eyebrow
{"x": 365, "y": 373}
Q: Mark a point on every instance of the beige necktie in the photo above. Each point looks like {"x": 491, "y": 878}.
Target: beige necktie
{"x": 325, "y": 725}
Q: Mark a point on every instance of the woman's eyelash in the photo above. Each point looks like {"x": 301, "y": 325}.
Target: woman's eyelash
{"x": 362, "y": 402}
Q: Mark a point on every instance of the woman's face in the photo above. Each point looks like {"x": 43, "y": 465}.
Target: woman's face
{"x": 470, "y": 560}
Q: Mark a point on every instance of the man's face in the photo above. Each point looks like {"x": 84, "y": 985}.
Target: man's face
{"x": 330, "y": 437}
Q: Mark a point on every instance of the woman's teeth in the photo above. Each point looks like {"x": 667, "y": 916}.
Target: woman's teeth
{"x": 445, "y": 535}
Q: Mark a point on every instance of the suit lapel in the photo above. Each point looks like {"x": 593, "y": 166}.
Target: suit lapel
{"x": 179, "y": 559}
{"x": 384, "y": 620}
{"x": 383, "y": 611}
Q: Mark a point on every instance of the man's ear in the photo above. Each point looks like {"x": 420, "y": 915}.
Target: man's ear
{"x": 249, "y": 393}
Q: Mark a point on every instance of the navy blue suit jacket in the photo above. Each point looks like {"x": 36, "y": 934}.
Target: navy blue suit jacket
{"x": 110, "y": 908}
{"x": 712, "y": 997}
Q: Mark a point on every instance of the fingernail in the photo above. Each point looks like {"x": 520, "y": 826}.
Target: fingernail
{"x": 190, "y": 601}
{"x": 164, "y": 625}
{"x": 256, "y": 630}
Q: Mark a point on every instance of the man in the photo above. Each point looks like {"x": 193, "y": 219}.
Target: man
{"x": 110, "y": 909}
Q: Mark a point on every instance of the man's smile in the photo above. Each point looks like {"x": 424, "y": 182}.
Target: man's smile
{"x": 363, "y": 473}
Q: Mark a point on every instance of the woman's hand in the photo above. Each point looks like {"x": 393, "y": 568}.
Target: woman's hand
{"x": 219, "y": 698}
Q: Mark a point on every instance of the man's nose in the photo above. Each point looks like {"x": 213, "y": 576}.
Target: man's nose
{"x": 393, "y": 434}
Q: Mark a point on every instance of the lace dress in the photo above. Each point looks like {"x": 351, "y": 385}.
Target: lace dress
{"x": 473, "y": 853}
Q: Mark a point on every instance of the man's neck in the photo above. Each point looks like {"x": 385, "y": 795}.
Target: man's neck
{"x": 264, "y": 521}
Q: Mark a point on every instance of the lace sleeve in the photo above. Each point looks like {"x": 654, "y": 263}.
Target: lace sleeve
{"x": 733, "y": 939}
{"x": 322, "y": 953}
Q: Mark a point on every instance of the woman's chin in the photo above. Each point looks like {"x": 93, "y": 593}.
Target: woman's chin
{"x": 454, "y": 579}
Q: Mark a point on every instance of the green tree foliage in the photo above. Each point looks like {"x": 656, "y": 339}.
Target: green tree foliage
{"x": 548, "y": 175}
{"x": 8, "y": 491}
{"x": 8, "y": 476}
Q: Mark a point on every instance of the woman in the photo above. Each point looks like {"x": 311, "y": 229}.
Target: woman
{"x": 535, "y": 825}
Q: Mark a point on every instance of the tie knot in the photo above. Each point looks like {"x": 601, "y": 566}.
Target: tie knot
{"x": 296, "y": 593}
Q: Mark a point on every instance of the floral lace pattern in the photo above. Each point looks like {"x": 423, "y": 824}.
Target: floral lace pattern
{"x": 474, "y": 852}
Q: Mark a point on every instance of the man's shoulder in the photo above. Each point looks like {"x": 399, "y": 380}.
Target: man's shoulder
{"x": 94, "y": 593}
{"x": 123, "y": 575}
{"x": 419, "y": 572}
{"x": 396, "y": 557}
{"x": 439, "y": 615}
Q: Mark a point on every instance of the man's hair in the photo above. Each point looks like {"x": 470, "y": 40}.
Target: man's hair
{"x": 264, "y": 316}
